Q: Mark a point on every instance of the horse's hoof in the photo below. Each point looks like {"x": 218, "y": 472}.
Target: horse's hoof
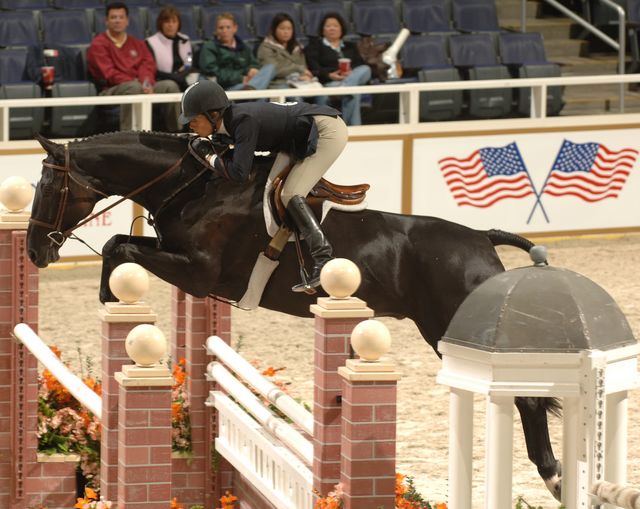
{"x": 554, "y": 483}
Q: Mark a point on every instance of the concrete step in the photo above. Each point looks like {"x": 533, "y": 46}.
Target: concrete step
{"x": 587, "y": 66}
{"x": 594, "y": 99}
{"x": 510, "y": 9}
{"x": 558, "y": 48}
{"x": 550, "y": 28}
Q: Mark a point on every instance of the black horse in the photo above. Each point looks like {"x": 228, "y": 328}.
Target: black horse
{"x": 211, "y": 232}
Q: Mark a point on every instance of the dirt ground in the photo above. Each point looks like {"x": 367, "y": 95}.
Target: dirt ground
{"x": 68, "y": 318}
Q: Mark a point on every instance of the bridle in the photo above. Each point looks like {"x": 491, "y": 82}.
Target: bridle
{"x": 57, "y": 235}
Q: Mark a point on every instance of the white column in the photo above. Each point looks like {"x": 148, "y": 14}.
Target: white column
{"x": 460, "y": 448}
{"x": 571, "y": 450}
{"x": 615, "y": 463}
{"x": 499, "y": 452}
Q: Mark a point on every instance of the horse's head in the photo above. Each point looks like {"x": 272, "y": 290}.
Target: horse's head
{"x": 62, "y": 199}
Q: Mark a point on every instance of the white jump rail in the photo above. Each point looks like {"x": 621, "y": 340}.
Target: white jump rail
{"x": 282, "y": 401}
{"x": 271, "y": 422}
{"x": 43, "y": 353}
{"x": 270, "y": 467}
{"x": 604, "y": 492}
{"x": 409, "y": 96}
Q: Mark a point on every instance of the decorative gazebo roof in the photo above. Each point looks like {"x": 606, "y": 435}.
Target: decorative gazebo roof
{"x": 539, "y": 309}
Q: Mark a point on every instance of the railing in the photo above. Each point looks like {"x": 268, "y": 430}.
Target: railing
{"x": 409, "y": 101}
{"x": 618, "y": 46}
{"x": 272, "y": 454}
{"x": 85, "y": 396}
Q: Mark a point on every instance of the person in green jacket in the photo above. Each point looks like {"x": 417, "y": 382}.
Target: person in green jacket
{"x": 230, "y": 61}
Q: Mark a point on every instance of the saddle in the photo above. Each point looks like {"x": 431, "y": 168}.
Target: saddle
{"x": 322, "y": 192}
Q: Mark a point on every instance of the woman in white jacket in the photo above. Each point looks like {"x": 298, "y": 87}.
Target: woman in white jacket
{"x": 171, "y": 49}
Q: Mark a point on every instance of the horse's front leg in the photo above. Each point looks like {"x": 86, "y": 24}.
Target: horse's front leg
{"x": 533, "y": 414}
{"x": 177, "y": 269}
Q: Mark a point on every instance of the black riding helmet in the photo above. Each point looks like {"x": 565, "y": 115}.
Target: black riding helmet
{"x": 200, "y": 98}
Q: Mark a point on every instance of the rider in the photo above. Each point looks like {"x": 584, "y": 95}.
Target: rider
{"x": 314, "y": 136}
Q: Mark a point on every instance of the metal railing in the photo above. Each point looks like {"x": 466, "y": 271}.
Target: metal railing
{"x": 409, "y": 97}
{"x": 618, "y": 46}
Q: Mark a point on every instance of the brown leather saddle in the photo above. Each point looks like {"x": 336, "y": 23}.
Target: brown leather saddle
{"x": 322, "y": 191}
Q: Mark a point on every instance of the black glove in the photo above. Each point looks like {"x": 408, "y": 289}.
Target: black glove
{"x": 202, "y": 147}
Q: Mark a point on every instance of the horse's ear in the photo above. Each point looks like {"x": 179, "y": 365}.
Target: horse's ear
{"x": 51, "y": 147}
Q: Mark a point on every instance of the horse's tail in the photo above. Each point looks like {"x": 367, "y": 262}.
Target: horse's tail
{"x": 501, "y": 238}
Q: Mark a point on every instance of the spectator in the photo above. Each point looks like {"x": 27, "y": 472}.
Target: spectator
{"x": 121, "y": 64}
{"x": 322, "y": 57}
{"x": 170, "y": 48}
{"x": 230, "y": 61}
{"x": 281, "y": 48}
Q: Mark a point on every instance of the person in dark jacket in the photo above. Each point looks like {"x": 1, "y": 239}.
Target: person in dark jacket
{"x": 323, "y": 55}
{"x": 230, "y": 61}
{"x": 312, "y": 135}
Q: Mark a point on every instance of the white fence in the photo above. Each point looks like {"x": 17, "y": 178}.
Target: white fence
{"x": 409, "y": 97}
{"x": 273, "y": 455}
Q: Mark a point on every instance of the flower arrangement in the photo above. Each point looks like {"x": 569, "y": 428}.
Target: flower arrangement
{"x": 65, "y": 427}
{"x": 90, "y": 501}
{"x": 406, "y": 497}
{"x": 227, "y": 501}
{"x": 180, "y": 421}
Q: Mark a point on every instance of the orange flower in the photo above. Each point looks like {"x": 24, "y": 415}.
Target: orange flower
{"x": 271, "y": 371}
{"x": 176, "y": 411}
{"x": 227, "y": 501}
{"x": 175, "y": 504}
{"x": 441, "y": 505}
{"x": 89, "y": 496}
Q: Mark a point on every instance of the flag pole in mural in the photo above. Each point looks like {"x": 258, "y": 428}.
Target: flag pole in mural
{"x": 487, "y": 176}
{"x": 588, "y": 171}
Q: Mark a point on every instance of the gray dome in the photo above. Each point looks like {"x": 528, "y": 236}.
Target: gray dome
{"x": 539, "y": 309}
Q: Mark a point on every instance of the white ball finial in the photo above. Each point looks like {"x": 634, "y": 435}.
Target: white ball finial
{"x": 16, "y": 193}
{"x": 129, "y": 282}
{"x": 146, "y": 345}
{"x": 340, "y": 278}
{"x": 371, "y": 340}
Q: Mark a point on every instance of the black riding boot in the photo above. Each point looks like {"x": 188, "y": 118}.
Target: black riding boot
{"x": 318, "y": 245}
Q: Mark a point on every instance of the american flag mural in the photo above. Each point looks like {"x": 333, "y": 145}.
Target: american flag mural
{"x": 589, "y": 171}
{"x": 487, "y": 176}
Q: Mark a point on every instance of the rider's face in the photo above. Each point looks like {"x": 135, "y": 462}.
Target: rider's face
{"x": 201, "y": 126}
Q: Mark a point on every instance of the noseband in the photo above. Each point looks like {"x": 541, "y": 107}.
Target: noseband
{"x": 57, "y": 236}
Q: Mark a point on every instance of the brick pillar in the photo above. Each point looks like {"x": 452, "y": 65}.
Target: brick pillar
{"x": 117, "y": 321}
{"x": 19, "y": 470}
{"x": 368, "y": 467}
{"x": 178, "y": 303}
{"x": 144, "y": 437}
{"x": 335, "y": 319}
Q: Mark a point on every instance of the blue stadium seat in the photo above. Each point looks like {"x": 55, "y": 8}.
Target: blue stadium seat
{"x": 375, "y": 17}
{"x": 427, "y": 16}
{"x": 524, "y": 54}
{"x": 73, "y": 121}
{"x": 13, "y": 65}
{"x": 312, "y": 14}
{"x": 66, "y": 27}
{"x": 18, "y": 28}
{"x": 23, "y": 122}
{"x": 428, "y": 55}
{"x": 137, "y": 21}
{"x": 189, "y": 21}
{"x": 475, "y": 16}
{"x": 476, "y": 55}
{"x": 78, "y": 4}
{"x": 239, "y": 11}
{"x": 264, "y": 13}
{"x": 24, "y": 4}
{"x": 141, "y": 3}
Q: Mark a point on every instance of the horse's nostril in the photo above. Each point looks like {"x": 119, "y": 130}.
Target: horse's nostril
{"x": 32, "y": 255}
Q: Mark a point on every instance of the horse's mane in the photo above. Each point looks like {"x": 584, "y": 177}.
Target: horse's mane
{"x": 115, "y": 134}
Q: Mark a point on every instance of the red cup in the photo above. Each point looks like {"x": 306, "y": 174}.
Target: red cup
{"x": 48, "y": 76}
{"x": 344, "y": 65}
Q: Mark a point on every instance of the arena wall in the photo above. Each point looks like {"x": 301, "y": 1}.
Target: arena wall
{"x": 404, "y": 165}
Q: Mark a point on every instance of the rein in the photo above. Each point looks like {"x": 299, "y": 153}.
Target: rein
{"x": 58, "y": 237}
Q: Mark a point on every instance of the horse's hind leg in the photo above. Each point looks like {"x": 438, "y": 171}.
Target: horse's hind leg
{"x": 533, "y": 413}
